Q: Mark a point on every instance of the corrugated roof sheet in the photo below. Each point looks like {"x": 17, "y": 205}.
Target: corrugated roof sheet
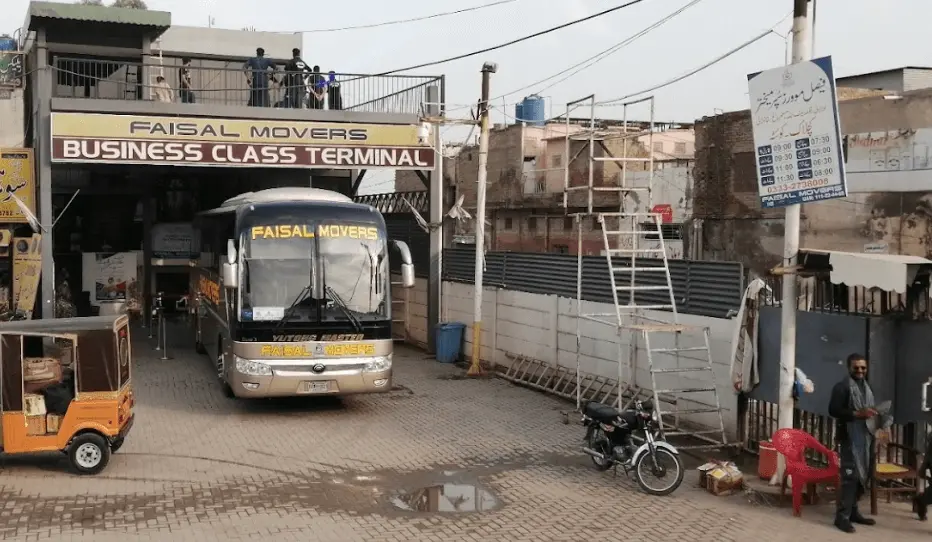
{"x": 887, "y": 272}
{"x": 100, "y": 14}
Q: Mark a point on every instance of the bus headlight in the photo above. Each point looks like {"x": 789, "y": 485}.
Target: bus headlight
{"x": 252, "y": 368}
{"x": 379, "y": 363}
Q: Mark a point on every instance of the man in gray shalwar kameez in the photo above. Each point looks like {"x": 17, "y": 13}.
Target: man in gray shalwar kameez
{"x": 858, "y": 421}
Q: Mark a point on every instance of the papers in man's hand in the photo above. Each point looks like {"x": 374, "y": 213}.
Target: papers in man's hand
{"x": 883, "y": 410}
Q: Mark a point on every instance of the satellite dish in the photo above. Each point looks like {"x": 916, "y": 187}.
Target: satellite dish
{"x": 31, "y": 218}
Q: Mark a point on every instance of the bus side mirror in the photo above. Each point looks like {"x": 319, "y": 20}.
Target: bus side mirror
{"x": 407, "y": 266}
{"x": 230, "y": 275}
{"x": 407, "y": 275}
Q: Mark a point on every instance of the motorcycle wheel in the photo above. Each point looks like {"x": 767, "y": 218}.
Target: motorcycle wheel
{"x": 645, "y": 466}
{"x": 599, "y": 442}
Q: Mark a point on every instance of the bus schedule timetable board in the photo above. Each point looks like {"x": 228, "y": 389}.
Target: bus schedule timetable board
{"x": 797, "y": 137}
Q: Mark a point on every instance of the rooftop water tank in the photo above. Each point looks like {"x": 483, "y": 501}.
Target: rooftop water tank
{"x": 532, "y": 110}
{"x": 519, "y": 112}
{"x": 7, "y": 43}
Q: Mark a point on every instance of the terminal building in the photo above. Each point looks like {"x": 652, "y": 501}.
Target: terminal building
{"x": 136, "y": 125}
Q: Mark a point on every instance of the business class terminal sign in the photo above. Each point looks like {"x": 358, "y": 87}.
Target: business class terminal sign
{"x": 183, "y": 141}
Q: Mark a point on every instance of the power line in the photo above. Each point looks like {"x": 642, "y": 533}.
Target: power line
{"x": 405, "y": 21}
{"x": 610, "y": 51}
{"x": 515, "y": 41}
{"x": 592, "y": 60}
{"x": 718, "y": 59}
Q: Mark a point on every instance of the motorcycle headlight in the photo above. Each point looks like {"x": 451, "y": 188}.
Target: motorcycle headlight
{"x": 379, "y": 363}
{"x": 252, "y": 368}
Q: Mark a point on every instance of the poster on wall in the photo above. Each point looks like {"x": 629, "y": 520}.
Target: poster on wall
{"x": 27, "y": 268}
{"x": 889, "y": 161}
{"x": 114, "y": 275}
{"x": 16, "y": 179}
{"x": 794, "y": 116}
{"x": 174, "y": 240}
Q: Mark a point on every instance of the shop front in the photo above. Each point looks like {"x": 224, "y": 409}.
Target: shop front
{"x": 125, "y": 189}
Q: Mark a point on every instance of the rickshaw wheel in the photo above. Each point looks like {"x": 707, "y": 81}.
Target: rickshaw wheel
{"x": 89, "y": 453}
{"x": 116, "y": 445}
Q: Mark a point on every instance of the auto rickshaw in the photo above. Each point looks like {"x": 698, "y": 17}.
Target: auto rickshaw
{"x": 65, "y": 385}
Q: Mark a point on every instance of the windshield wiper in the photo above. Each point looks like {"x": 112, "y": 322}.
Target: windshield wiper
{"x": 302, "y": 295}
{"x": 346, "y": 310}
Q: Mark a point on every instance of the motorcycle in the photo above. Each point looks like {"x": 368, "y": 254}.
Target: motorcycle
{"x": 609, "y": 444}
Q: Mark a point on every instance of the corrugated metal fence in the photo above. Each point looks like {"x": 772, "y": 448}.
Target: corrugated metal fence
{"x": 701, "y": 288}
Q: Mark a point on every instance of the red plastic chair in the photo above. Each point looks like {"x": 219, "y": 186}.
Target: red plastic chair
{"x": 793, "y": 443}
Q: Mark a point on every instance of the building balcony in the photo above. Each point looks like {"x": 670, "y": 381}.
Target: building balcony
{"x": 119, "y": 80}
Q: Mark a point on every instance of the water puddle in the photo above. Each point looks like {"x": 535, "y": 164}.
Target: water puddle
{"x": 449, "y": 498}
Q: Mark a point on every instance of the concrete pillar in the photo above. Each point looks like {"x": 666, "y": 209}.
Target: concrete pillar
{"x": 42, "y": 94}
{"x": 144, "y": 75}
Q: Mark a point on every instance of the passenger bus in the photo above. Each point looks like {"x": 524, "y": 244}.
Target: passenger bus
{"x": 292, "y": 294}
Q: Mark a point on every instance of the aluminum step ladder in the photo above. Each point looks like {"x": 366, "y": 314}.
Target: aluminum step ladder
{"x": 656, "y": 284}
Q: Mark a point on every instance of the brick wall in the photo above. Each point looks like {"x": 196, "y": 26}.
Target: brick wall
{"x": 734, "y": 227}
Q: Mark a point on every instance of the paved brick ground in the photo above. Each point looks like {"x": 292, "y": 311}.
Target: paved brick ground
{"x": 200, "y": 467}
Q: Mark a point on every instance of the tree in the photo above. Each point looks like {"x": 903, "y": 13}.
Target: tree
{"x": 132, "y": 4}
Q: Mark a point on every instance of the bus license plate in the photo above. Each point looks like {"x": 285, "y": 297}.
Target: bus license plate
{"x": 314, "y": 387}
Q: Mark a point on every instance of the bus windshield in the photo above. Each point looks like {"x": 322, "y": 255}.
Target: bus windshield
{"x": 314, "y": 270}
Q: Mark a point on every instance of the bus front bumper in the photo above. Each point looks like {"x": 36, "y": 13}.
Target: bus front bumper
{"x": 290, "y": 378}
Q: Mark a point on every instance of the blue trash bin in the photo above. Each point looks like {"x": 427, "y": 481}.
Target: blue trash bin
{"x": 449, "y": 341}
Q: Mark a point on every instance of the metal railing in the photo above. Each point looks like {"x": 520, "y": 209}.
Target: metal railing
{"x": 122, "y": 80}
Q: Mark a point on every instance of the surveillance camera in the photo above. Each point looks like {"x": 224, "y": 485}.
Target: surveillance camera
{"x": 490, "y": 67}
{"x": 423, "y": 133}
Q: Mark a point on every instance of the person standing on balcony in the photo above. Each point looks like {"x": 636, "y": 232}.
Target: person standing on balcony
{"x": 257, "y": 77}
{"x": 295, "y": 83}
{"x": 857, "y": 418}
{"x": 184, "y": 77}
{"x": 316, "y": 86}
{"x": 163, "y": 92}
{"x": 333, "y": 92}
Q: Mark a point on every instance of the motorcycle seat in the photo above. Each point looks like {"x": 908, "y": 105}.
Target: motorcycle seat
{"x": 601, "y": 412}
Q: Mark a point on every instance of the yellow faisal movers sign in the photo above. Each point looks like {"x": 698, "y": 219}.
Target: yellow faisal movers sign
{"x": 305, "y": 351}
{"x": 103, "y": 126}
{"x": 303, "y": 231}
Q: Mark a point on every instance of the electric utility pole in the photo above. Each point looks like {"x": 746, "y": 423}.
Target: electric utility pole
{"x": 802, "y": 51}
{"x": 488, "y": 69}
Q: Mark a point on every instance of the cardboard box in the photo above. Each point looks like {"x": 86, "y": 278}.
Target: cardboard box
{"x": 34, "y": 405}
{"x": 53, "y": 423}
{"x": 725, "y": 479}
{"x": 720, "y": 477}
{"x": 35, "y": 425}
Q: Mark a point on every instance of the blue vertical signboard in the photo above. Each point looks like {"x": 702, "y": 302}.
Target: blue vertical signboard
{"x": 797, "y": 135}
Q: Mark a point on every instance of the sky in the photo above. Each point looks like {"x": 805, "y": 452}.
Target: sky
{"x": 860, "y": 35}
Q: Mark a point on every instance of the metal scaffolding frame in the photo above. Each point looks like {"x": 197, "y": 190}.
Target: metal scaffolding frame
{"x": 626, "y": 228}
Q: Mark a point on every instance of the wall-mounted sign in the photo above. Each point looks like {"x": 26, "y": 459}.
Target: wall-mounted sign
{"x": 16, "y": 179}
{"x": 12, "y": 73}
{"x": 794, "y": 116}
{"x": 665, "y": 210}
{"x": 131, "y": 139}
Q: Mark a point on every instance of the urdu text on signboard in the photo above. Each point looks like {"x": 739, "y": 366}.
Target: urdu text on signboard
{"x": 794, "y": 113}
{"x": 191, "y": 141}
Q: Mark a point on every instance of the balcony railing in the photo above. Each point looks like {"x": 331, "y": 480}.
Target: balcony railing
{"x": 118, "y": 80}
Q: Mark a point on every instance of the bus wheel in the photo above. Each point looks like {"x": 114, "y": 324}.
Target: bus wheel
{"x": 89, "y": 453}
{"x": 221, "y": 371}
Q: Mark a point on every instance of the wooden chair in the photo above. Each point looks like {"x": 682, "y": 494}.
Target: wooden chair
{"x": 897, "y": 477}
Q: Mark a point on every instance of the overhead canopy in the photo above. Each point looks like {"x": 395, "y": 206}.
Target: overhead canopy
{"x": 888, "y": 272}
